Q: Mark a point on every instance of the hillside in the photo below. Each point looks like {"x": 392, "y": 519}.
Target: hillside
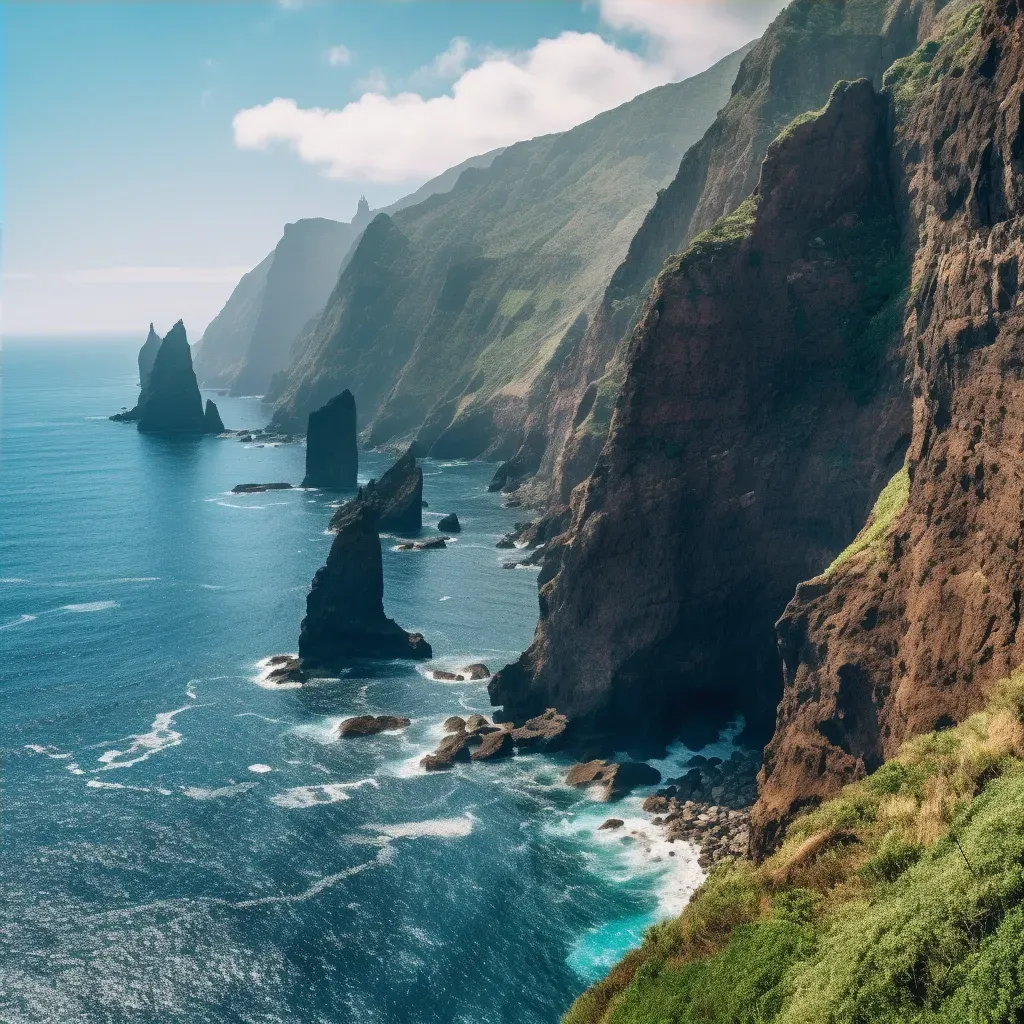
{"x": 255, "y": 335}
{"x": 452, "y": 312}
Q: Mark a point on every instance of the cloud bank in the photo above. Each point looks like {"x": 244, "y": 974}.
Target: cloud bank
{"x": 504, "y": 98}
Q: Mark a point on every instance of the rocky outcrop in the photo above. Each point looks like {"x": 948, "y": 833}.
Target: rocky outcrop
{"x": 332, "y": 460}
{"x": 397, "y": 498}
{"x": 259, "y": 488}
{"x": 213, "y": 424}
{"x": 906, "y": 632}
{"x": 762, "y": 409}
{"x": 614, "y": 781}
{"x": 371, "y": 725}
{"x": 442, "y": 321}
{"x": 449, "y": 523}
{"x": 345, "y": 616}
{"x": 170, "y": 403}
{"x": 472, "y": 739}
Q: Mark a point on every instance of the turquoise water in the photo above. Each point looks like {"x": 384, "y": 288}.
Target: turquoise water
{"x": 182, "y": 843}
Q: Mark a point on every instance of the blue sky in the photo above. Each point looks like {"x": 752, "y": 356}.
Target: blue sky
{"x": 152, "y": 151}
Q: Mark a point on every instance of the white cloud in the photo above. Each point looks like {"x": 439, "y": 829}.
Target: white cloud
{"x": 504, "y": 98}
{"x": 376, "y": 81}
{"x": 338, "y": 56}
{"x": 452, "y": 62}
{"x": 158, "y": 275}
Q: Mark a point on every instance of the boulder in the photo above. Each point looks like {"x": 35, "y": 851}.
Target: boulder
{"x": 449, "y": 523}
{"x": 332, "y": 460}
{"x": 616, "y": 780}
{"x": 345, "y": 606}
{"x": 478, "y": 670}
{"x": 611, "y": 823}
{"x": 476, "y": 722}
{"x": 543, "y": 732}
{"x": 170, "y": 403}
{"x": 444, "y": 676}
{"x": 370, "y": 725}
{"x": 454, "y": 747}
{"x": 454, "y": 724}
{"x": 211, "y": 417}
{"x": 494, "y": 745}
{"x": 430, "y": 545}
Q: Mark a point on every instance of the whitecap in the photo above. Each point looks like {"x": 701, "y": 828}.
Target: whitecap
{"x": 89, "y": 606}
{"x": 12, "y": 579}
{"x": 49, "y": 751}
{"x": 228, "y": 504}
{"x": 446, "y": 598}
{"x": 260, "y": 769}
{"x": 96, "y": 784}
{"x": 436, "y": 828}
{"x": 263, "y": 672}
{"x": 216, "y": 793}
{"x": 160, "y": 736}
{"x": 75, "y": 769}
{"x": 312, "y": 796}
{"x": 210, "y": 586}
{"x": 19, "y": 621}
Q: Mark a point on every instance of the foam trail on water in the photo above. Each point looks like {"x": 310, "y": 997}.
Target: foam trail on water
{"x": 19, "y": 621}
{"x": 437, "y": 828}
{"x": 205, "y": 793}
{"x": 160, "y": 737}
{"x": 89, "y": 606}
{"x": 312, "y": 796}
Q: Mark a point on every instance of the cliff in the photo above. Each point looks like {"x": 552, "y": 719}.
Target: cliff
{"x": 147, "y": 356}
{"x": 259, "y": 330}
{"x": 170, "y": 403}
{"x": 345, "y": 607}
{"x": 790, "y": 70}
{"x": 451, "y": 314}
{"x": 762, "y": 408}
{"x": 332, "y": 459}
{"x": 907, "y": 630}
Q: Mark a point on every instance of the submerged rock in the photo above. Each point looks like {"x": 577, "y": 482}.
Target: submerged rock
{"x": 170, "y": 403}
{"x": 332, "y": 459}
{"x": 345, "y": 607}
{"x": 257, "y": 488}
{"x": 370, "y": 725}
{"x": 449, "y": 523}
{"x": 431, "y": 545}
{"x": 396, "y": 498}
{"x": 611, "y": 823}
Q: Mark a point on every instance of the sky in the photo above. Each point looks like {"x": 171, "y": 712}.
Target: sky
{"x": 153, "y": 152}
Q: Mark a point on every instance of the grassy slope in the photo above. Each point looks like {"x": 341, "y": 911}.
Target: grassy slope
{"x": 901, "y": 901}
{"x": 505, "y": 263}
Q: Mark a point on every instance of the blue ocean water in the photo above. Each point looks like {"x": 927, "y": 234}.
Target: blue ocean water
{"x": 184, "y": 844}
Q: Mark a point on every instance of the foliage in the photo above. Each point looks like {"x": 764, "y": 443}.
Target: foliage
{"x": 899, "y": 902}
{"x": 890, "y": 503}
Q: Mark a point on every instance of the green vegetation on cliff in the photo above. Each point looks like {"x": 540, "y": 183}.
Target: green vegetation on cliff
{"x": 890, "y": 503}
{"x": 899, "y": 902}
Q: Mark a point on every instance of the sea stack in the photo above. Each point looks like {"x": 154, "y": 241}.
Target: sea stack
{"x": 331, "y": 457}
{"x": 170, "y": 402}
{"x": 397, "y": 498}
{"x": 345, "y": 607}
{"x": 147, "y": 356}
{"x": 214, "y": 424}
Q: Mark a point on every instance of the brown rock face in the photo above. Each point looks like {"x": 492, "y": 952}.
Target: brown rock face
{"x": 759, "y": 417}
{"x": 370, "y": 725}
{"x": 905, "y": 638}
{"x": 345, "y": 607}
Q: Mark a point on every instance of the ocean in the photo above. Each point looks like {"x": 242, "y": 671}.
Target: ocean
{"x": 182, "y": 842}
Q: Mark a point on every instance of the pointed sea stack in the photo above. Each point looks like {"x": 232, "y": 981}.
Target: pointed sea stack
{"x": 331, "y": 457}
{"x": 345, "y": 607}
{"x": 397, "y": 498}
{"x": 214, "y": 424}
{"x": 147, "y": 356}
{"x": 170, "y": 402}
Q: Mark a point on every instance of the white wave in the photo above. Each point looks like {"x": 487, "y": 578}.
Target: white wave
{"x": 89, "y": 606}
{"x": 436, "y": 828}
{"x": 160, "y": 736}
{"x": 12, "y": 579}
{"x": 216, "y": 793}
{"x": 210, "y": 586}
{"x": 246, "y": 508}
{"x": 49, "y": 751}
{"x": 19, "y": 621}
{"x": 96, "y": 784}
{"x": 674, "y": 761}
{"x": 262, "y": 676}
{"x": 446, "y": 598}
{"x": 75, "y": 769}
{"x": 133, "y": 579}
{"x": 311, "y": 796}
{"x": 260, "y": 769}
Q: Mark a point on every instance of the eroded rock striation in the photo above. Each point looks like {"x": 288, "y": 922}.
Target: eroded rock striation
{"x": 332, "y": 459}
{"x": 345, "y": 616}
{"x": 761, "y": 410}
{"x": 397, "y": 498}
{"x": 905, "y": 633}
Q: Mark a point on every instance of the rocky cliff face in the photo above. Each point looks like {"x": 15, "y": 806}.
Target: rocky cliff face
{"x": 396, "y": 498}
{"x": 213, "y": 424}
{"x": 452, "y": 314}
{"x": 332, "y": 459}
{"x": 345, "y": 607}
{"x": 906, "y": 632}
{"x": 147, "y": 356}
{"x": 762, "y": 409}
{"x": 170, "y": 403}
{"x": 791, "y": 69}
